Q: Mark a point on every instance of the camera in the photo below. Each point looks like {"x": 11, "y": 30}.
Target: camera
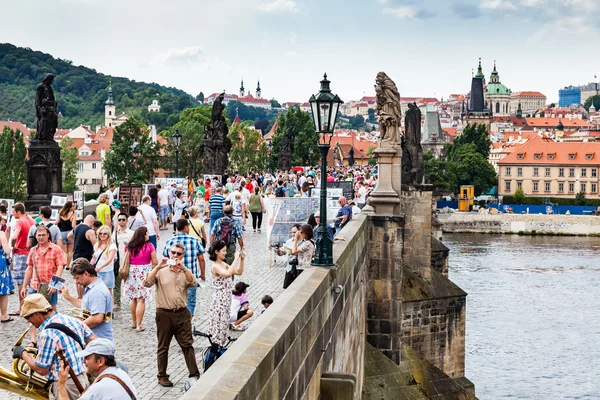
{"x": 294, "y": 261}
{"x": 170, "y": 261}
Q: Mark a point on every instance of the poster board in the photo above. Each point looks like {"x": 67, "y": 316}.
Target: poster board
{"x": 166, "y": 182}
{"x": 345, "y": 186}
{"x": 283, "y": 213}
{"x": 214, "y": 178}
{"x": 130, "y": 195}
{"x": 333, "y": 194}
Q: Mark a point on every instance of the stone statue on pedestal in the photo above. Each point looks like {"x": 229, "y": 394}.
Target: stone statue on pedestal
{"x": 216, "y": 144}
{"x": 388, "y": 110}
{"x": 44, "y": 166}
{"x": 412, "y": 152}
{"x": 285, "y": 150}
{"x": 45, "y": 110}
{"x": 351, "y": 160}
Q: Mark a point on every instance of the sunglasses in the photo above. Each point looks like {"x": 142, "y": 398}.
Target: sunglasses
{"x": 176, "y": 253}
{"x": 121, "y": 219}
{"x": 103, "y": 234}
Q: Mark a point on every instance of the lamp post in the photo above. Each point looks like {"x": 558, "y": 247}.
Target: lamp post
{"x": 176, "y": 137}
{"x": 324, "y": 107}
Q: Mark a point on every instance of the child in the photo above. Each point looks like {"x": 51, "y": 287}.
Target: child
{"x": 266, "y": 302}
{"x": 240, "y": 307}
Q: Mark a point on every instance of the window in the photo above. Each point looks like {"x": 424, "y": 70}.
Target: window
{"x": 519, "y": 171}
{"x": 507, "y": 171}
{"x": 593, "y": 172}
{"x": 507, "y": 186}
{"x": 537, "y": 156}
{"x": 535, "y": 186}
{"x": 572, "y": 156}
{"x": 80, "y": 167}
{"x": 551, "y": 156}
{"x": 589, "y": 156}
{"x": 571, "y": 187}
{"x": 110, "y": 113}
{"x": 583, "y": 172}
{"x": 521, "y": 156}
{"x": 583, "y": 187}
{"x": 535, "y": 171}
{"x": 520, "y": 185}
{"x": 93, "y": 165}
{"x": 571, "y": 172}
{"x": 561, "y": 172}
{"x": 547, "y": 171}
{"x": 594, "y": 188}
{"x": 546, "y": 186}
{"x": 561, "y": 187}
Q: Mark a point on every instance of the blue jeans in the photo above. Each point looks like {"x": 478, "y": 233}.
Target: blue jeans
{"x": 213, "y": 218}
{"x": 192, "y": 299}
{"x": 152, "y": 239}
{"x": 53, "y": 298}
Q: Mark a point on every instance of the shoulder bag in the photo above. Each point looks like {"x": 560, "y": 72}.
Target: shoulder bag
{"x": 202, "y": 240}
{"x": 119, "y": 381}
{"x": 124, "y": 269}
{"x": 43, "y": 288}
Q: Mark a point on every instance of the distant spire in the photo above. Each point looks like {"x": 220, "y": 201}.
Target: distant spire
{"x": 258, "y": 91}
{"x": 109, "y": 101}
{"x": 242, "y": 90}
{"x": 479, "y": 71}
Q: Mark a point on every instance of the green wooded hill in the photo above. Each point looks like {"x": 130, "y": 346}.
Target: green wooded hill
{"x": 80, "y": 92}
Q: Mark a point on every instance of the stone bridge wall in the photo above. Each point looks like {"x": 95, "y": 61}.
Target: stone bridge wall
{"x": 309, "y": 330}
{"x": 515, "y": 223}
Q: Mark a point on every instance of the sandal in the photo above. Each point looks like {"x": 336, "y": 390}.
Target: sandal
{"x": 133, "y": 325}
{"x": 140, "y": 329}
{"x": 14, "y": 313}
{"x": 9, "y": 319}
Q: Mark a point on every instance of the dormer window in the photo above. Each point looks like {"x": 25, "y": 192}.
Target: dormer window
{"x": 537, "y": 156}
{"x": 589, "y": 156}
{"x": 521, "y": 156}
{"x": 551, "y": 156}
{"x": 572, "y": 156}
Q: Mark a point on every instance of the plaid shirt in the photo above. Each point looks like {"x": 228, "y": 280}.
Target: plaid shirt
{"x": 49, "y": 339}
{"x": 47, "y": 262}
{"x": 236, "y": 229}
{"x": 193, "y": 249}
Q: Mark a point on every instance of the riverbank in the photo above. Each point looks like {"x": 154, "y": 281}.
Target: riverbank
{"x": 522, "y": 224}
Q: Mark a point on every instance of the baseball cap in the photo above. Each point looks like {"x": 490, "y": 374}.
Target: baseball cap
{"x": 102, "y": 347}
{"x": 34, "y": 303}
{"x": 241, "y": 286}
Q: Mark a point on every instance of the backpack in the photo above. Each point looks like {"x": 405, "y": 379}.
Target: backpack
{"x": 279, "y": 191}
{"x": 34, "y": 241}
{"x": 226, "y": 231}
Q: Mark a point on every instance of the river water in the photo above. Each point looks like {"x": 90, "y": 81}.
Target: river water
{"x": 533, "y": 314}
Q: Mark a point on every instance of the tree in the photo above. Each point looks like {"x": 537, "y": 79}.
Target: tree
{"x": 13, "y": 172}
{"x": 70, "y": 157}
{"x": 305, "y": 140}
{"x": 468, "y": 167}
{"x": 435, "y": 172}
{"x": 519, "y": 196}
{"x": 248, "y": 151}
{"x": 371, "y": 115}
{"x": 191, "y": 128}
{"x": 200, "y": 97}
{"x": 357, "y": 122}
{"x": 372, "y": 158}
{"x": 476, "y": 134}
{"x": 595, "y": 99}
{"x": 275, "y": 103}
{"x": 580, "y": 199}
{"x": 133, "y": 155}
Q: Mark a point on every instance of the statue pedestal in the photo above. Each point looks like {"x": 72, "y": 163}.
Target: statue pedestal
{"x": 44, "y": 173}
{"x": 284, "y": 161}
{"x": 384, "y": 199}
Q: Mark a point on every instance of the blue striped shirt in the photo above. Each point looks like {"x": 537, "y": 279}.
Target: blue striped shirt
{"x": 193, "y": 249}
{"x": 49, "y": 339}
{"x": 216, "y": 203}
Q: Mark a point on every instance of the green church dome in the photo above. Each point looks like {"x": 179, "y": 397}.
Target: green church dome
{"x": 496, "y": 88}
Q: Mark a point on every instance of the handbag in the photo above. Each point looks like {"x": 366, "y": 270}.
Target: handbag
{"x": 202, "y": 240}
{"x": 292, "y": 274}
{"x": 124, "y": 269}
{"x": 117, "y": 262}
{"x": 43, "y": 288}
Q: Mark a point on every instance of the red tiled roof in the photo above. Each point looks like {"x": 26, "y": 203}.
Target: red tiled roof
{"x": 236, "y": 120}
{"x": 528, "y": 94}
{"x": 360, "y": 105}
{"x": 450, "y": 132}
{"x": 569, "y": 153}
{"x": 251, "y": 99}
{"x": 14, "y": 125}
{"x": 418, "y": 99}
{"x": 553, "y": 122}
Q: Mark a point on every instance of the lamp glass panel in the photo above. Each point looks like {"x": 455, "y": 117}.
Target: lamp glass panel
{"x": 314, "y": 106}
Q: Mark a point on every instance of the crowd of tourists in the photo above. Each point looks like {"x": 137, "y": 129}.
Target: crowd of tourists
{"x": 112, "y": 256}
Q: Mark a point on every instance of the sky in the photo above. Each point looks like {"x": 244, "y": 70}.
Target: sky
{"x": 428, "y": 47}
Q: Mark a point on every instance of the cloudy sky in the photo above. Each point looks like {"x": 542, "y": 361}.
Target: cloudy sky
{"x": 429, "y": 47}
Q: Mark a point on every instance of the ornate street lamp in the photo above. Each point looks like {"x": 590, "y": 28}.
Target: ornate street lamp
{"x": 176, "y": 137}
{"x": 324, "y": 107}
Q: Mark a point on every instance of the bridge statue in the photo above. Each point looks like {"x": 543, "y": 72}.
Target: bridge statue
{"x": 215, "y": 147}
{"x": 388, "y": 110}
{"x": 412, "y": 152}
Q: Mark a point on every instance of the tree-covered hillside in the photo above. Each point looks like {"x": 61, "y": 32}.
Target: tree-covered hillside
{"x": 80, "y": 91}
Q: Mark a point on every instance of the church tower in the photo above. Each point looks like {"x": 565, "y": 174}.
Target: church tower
{"x": 258, "y": 91}
{"x": 109, "y": 108}
{"x": 242, "y": 90}
{"x": 477, "y": 110}
{"x": 497, "y": 95}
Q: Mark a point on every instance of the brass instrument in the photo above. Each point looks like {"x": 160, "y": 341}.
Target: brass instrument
{"x": 83, "y": 314}
{"x": 22, "y": 380}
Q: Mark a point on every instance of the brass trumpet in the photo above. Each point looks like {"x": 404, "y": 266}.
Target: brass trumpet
{"x": 83, "y": 314}
{"x": 22, "y": 380}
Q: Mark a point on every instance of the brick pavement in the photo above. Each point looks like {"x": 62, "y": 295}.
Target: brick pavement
{"x": 138, "y": 350}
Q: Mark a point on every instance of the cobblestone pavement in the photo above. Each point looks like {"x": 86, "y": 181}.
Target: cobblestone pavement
{"x": 138, "y": 350}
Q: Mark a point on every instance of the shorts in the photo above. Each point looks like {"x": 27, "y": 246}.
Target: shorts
{"x": 240, "y": 314}
{"x": 164, "y": 212}
{"x": 64, "y": 237}
{"x": 108, "y": 278}
{"x": 19, "y": 264}
{"x": 53, "y": 297}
